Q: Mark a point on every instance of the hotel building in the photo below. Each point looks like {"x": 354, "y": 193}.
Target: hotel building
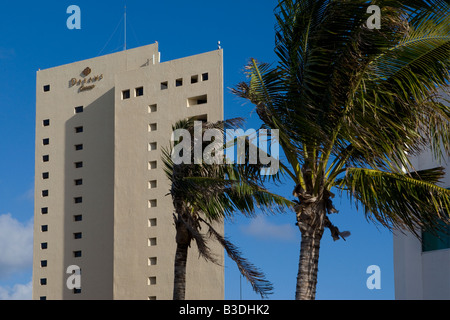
{"x": 101, "y": 195}
{"x": 422, "y": 267}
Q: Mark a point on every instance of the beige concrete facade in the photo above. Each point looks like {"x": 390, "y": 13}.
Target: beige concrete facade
{"x": 101, "y": 198}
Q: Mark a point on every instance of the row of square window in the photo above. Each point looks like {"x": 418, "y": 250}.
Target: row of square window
{"x": 152, "y": 127}
{"x": 78, "y": 235}
{"x": 76, "y": 254}
{"x": 46, "y": 123}
{"x": 46, "y": 158}
{"x": 126, "y": 94}
{"x": 78, "y": 182}
{"x": 46, "y": 175}
{"x": 178, "y": 82}
{"x": 78, "y": 147}
{"x": 150, "y": 281}
{"x": 151, "y": 165}
{"x": 76, "y": 218}
{"x": 75, "y": 291}
{"x": 45, "y": 193}
{"x": 80, "y": 109}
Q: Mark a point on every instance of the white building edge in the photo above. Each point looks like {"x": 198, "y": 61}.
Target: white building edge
{"x": 422, "y": 267}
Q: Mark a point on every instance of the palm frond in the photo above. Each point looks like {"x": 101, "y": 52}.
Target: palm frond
{"x": 200, "y": 239}
{"x": 256, "y": 278}
{"x": 208, "y": 192}
{"x": 401, "y": 201}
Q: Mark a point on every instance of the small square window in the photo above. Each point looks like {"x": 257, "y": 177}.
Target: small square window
{"x": 152, "y": 108}
{"x": 205, "y": 77}
{"x": 44, "y": 228}
{"x": 78, "y": 199}
{"x": 152, "y": 222}
{"x": 77, "y": 254}
{"x": 77, "y": 218}
{"x": 179, "y": 82}
{"x": 44, "y": 245}
{"x": 125, "y": 94}
{"x": 46, "y": 141}
{"x": 45, "y": 193}
{"x": 151, "y": 281}
{"x": 152, "y": 261}
{"x": 164, "y": 85}
{"x": 152, "y": 203}
{"x": 152, "y": 242}
{"x": 139, "y": 91}
{"x": 152, "y": 298}
{"x": 46, "y": 122}
{"x": 79, "y": 129}
{"x": 152, "y": 146}
{"x": 152, "y": 127}
{"x": 78, "y": 182}
{"x": 47, "y": 88}
{"x": 45, "y": 158}
{"x": 77, "y": 235}
{"x": 194, "y": 79}
{"x": 152, "y": 184}
{"x": 79, "y": 164}
{"x": 45, "y": 175}
{"x": 44, "y": 210}
{"x": 78, "y": 147}
{"x": 152, "y": 165}
{"x": 43, "y": 281}
{"x": 43, "y": 263}
{"x": 43, "y": 298}
{"x": 79, "y": 109}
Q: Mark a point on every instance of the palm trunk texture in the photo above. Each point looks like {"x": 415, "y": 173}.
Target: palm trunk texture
{"x": 310, "y": 221}
{"x": 183, "y": 240}
{"x": 308, "y": 267}
{"x": 179, "y": 285}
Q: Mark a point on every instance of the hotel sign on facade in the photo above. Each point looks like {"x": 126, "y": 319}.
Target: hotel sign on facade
{"x": 85, "y": 83}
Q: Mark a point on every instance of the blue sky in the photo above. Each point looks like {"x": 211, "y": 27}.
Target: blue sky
{"x": 34, "y": 35}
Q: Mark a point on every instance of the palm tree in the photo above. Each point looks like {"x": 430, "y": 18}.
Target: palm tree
{"x": 352, "y": 105}
{"x": 204, "y": 194}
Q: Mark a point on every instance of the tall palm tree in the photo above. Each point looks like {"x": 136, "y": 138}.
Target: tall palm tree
{"x": 352, "y": 105}
{"x": 206, "y": 193}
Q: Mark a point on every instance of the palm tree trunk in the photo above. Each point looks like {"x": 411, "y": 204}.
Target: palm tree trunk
{"x": 179, "y": 285}
{"x": 310, "y": 220}
{"x": 183, "y": 240}
{"x": 308, "y": 266}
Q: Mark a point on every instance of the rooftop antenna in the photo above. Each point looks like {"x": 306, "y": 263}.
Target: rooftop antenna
{"x": 125, "y": 29}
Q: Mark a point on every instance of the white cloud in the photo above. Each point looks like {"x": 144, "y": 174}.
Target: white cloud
{"x": 17, "y": 292}
{"x": 27, "y": 195}
{"x": 261, "y": 228}
{"x": 16, "y": 245}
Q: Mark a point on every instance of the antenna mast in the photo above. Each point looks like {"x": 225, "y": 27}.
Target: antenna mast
{"x": 125, "y": 29}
